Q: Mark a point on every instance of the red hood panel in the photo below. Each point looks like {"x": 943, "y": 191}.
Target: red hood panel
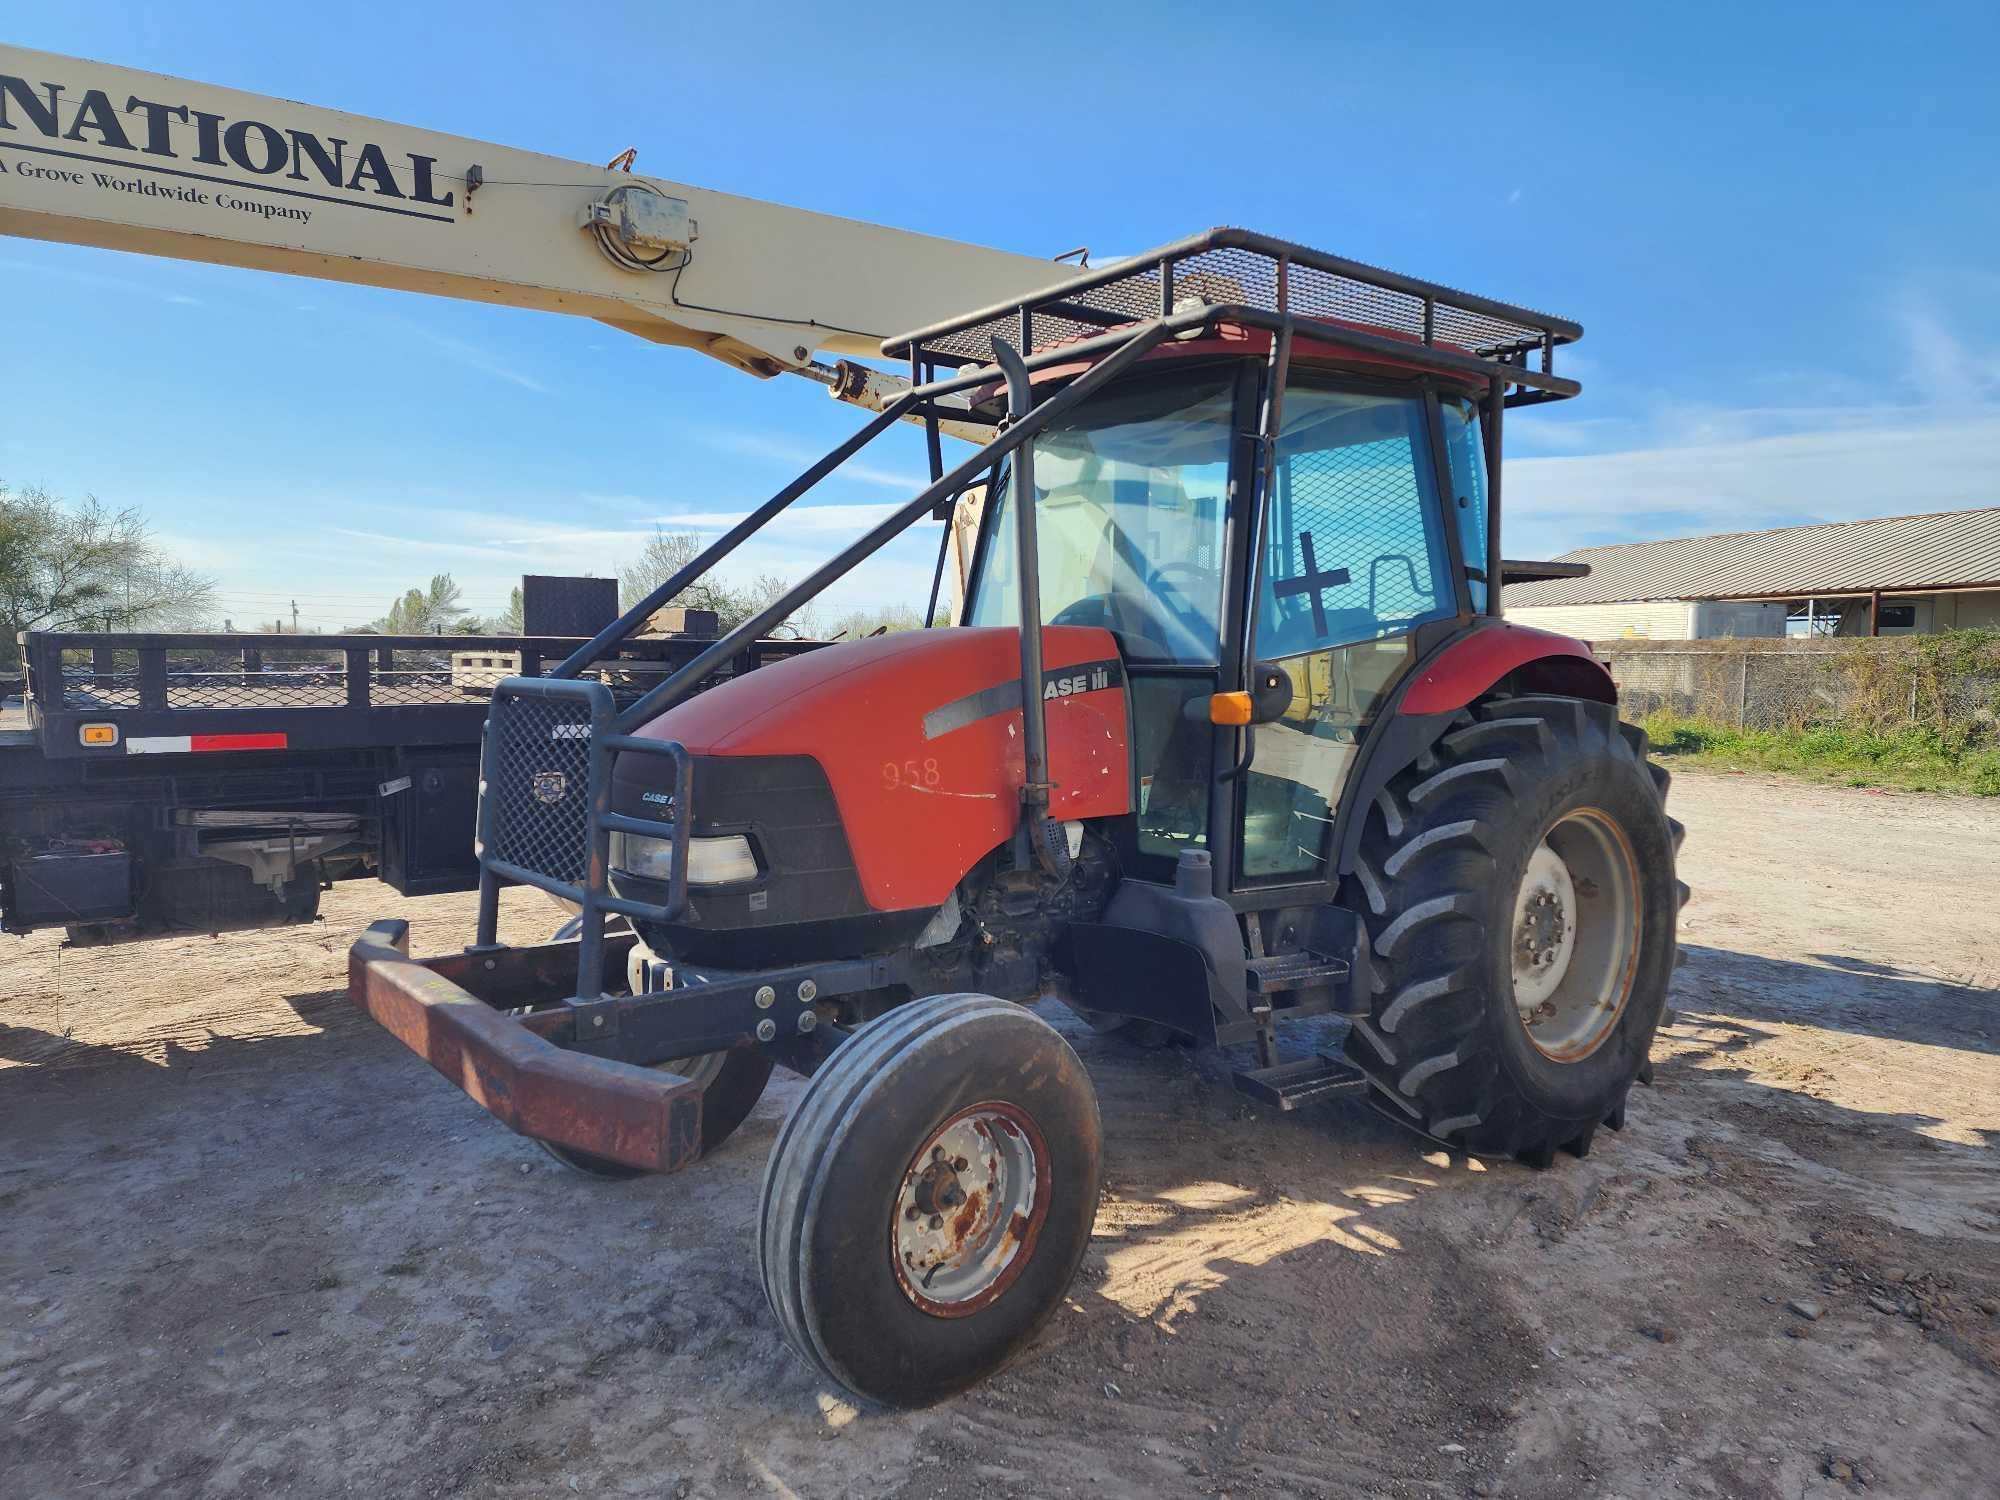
{"x": 919, "y": 734}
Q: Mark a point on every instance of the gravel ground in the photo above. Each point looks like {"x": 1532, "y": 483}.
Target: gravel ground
{"x": 248, "y": 1246}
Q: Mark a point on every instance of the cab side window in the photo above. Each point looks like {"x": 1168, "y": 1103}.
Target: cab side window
{"x": 1464, "y": 446}
{"x": 1352, "y": 549}
{"x": 1353, "y": 561}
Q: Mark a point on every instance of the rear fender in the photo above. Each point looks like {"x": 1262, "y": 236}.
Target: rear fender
{"x": 1463, "y": 670}
{"x": 1539, "y": 661}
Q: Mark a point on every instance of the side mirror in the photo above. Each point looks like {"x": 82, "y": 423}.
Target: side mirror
{"x": 1269, "y": 695}
{"x": 1270, "y": 692}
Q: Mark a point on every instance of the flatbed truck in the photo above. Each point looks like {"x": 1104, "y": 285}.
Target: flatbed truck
{"x": 153, "y": 784}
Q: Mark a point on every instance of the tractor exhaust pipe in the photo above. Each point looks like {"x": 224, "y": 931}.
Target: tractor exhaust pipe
{"x": 1036, "y": 837}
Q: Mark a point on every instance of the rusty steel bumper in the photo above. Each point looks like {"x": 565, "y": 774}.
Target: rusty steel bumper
{"x": 450, "y": 1011}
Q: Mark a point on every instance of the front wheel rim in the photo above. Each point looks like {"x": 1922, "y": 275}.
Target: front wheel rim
{"x": 968, "y": 1210}
{"x": 1573, "y": 945}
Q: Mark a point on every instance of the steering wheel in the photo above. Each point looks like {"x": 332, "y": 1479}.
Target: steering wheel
{"x": 1181, "y": 565}
{"x": 1181, "y": 602}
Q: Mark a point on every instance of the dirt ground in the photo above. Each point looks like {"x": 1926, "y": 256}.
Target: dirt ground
{"x": 249, "y": 1246}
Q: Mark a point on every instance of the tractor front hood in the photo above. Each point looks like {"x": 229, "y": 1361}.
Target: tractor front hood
{"x": 899, "y": 755}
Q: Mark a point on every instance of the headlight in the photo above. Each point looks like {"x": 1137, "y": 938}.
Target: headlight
{"x": 722, "y": 861}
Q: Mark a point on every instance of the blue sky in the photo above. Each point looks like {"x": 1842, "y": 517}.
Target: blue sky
{"x": 1776, "y": 224}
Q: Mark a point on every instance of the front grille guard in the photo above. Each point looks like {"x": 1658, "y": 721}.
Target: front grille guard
{"x": 545, "y": 815}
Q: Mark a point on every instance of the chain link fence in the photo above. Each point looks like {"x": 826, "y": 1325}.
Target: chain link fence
{"x": 1947, "y": 683}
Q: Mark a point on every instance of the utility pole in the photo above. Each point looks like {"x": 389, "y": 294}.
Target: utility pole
{"x": 295, "y": 617}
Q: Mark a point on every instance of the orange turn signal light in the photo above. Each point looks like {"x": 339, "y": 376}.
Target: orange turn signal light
{"x": 1229, "y": 708}
{"x": 98, "y": 734}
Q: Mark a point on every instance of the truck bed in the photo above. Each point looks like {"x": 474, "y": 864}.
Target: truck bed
{"x": 154, "y": 783}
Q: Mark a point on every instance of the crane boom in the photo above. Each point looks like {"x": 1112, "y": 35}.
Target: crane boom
{"x": 93, "y": 154}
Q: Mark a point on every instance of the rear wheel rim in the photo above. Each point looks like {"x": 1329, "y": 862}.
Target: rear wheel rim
{"x": 1574, "y": 942}
{"x": 968, "y": 1210}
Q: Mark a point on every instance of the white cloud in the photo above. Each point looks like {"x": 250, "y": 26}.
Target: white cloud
{"x": 1811, "y": 446}
{"x": 1845, "y": 469}
{"x": 465, "y": 353}
{"x": 101, "y": 281}
{"x": 811, "y": 519}
{"x": 1947, "y": 368}
{"x": 488, "y": 561}
{"x": 798, "y": 457}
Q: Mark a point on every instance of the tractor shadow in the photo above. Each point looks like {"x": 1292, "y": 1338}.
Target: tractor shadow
{"x": 1838, "y": 993}
{"x": 1204, "y": 1189}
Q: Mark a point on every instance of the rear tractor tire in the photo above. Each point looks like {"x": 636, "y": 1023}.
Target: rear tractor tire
{"x": 1519, "y": 890}
{"x": 929, "y": 1200}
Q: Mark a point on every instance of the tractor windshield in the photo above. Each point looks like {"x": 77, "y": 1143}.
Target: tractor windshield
{"x": 1132, "y": 504}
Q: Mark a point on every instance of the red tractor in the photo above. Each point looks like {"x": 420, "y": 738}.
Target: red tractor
{"x": 1232, "y": 732}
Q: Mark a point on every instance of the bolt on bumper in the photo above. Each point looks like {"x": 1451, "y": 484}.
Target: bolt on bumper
{"x": 450, "y": 1012}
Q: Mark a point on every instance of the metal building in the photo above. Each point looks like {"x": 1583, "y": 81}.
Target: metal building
{"x": 1894, "y": 575}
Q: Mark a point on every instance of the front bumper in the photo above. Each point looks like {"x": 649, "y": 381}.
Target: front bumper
{"x": 451, "y": 1011}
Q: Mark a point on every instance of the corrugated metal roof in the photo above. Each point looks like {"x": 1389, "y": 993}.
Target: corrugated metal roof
{"x": 1946, "y": 550}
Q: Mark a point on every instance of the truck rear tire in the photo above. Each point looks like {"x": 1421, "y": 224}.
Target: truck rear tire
{"x": 1518, "y": 886}
{"x": 928, "y": 1202}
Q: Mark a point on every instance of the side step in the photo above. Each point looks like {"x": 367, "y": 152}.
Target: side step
{"x": 1288, "y": 1085}
{"x": 1293, "y": 971}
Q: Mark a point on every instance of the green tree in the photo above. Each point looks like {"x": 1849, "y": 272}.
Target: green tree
{"x": 667, "y": 552}
{"x": 88, "y": 567}
{"x": 430, "y": 611}
{"x": 509, "y": 622}
{"x": 664, "y": 555}
{"x": 857, "y": 623}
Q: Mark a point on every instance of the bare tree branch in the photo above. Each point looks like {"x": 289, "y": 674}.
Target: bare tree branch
{"x": 88, "y": 567}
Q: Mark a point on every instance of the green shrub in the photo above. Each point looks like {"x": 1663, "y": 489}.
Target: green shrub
{"x": 1955, "y": 758}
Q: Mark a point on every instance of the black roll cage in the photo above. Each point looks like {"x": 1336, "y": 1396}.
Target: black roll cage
{"x": 1115, "y": 317}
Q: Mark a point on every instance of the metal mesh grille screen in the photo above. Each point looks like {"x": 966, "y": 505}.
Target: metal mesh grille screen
{"x": 1352, "y": 550}
{"x": 1361, "y": 507}
{"x": 540, "y": 785}
{"x": 1237, "y": 275}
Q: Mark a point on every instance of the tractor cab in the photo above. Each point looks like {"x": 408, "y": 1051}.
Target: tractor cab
{"x": 1230, "y": 733}
{"x": 1370, "y": 539}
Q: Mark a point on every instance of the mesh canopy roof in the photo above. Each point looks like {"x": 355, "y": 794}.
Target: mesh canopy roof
{"x": 1236, "y": 267}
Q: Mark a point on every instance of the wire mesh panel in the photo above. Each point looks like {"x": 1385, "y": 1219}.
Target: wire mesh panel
{"x": 248, "y": 680}
{"x": 418, "y": 677}
{"x": 1247, "y": 273}
{"x": 1352, "y": 542}
{"x": 538, "y": 782}
{"x": 100, "y": 679}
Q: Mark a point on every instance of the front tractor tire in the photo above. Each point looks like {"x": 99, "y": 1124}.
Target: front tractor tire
{"x": 1519, "y": 890}
{"x": 731, "y": 1083}
{"x": 929, "y": 1200}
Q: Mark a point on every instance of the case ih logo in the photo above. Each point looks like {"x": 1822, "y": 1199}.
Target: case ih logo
{"x": 549, "y": 786}
{"x": 148, "y": 132}
{"x": 1089, "y": 679}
